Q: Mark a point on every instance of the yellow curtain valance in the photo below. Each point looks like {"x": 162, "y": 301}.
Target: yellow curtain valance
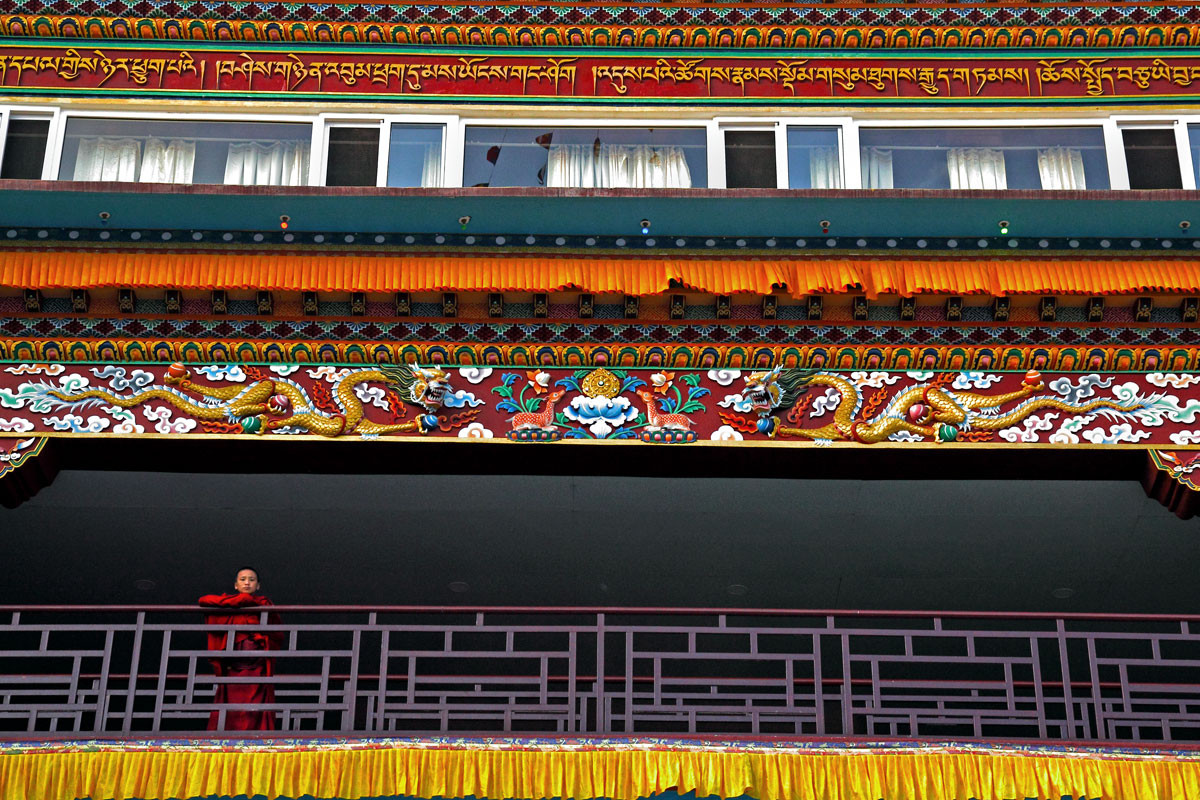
{"x": 497, "y": 770}
{"x": 85, "y": 269}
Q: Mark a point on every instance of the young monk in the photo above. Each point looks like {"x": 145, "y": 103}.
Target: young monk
{"x": 238, "y": 608}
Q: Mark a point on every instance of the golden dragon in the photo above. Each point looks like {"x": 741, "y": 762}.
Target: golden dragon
{"x": 271, "y": 404}
{"x": 932, "y": 411}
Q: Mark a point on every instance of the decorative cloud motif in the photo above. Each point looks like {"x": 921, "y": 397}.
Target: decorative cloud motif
{"x": 36, "y": 369}
{"x": 75, "y": 424}
{"x": 876, "y": 380}
{"x": 1028, "y": 430}
{"x": 1077, "y": 393}
{"x": 460, "y": 399}
{"x": 1170, "y": 380}
{"x": 15, "y": 425}
{"x": 737, "y": 403}
{"x": 474, "y": 375}
{"x": 724, "y": 377}
{"x": 119, "y": 383}
{"x": 229, "y": 372}
{"x": 825, "y": 403}
{"x": 1116, "y": 434}
{"x": 975, "y": 380}
{"x": 329, "y": 374}
{"x": 475, "y": 431}
{"x": 1068, "y": 432}
{"x": 161, "y": 415}
{"x": 725, "y": 433}
{"x": 372, "y": 395}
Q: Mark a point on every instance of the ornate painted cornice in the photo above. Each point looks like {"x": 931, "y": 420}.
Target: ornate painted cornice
{"x": 665, "y": 406}
{"x": 893, "y": 25}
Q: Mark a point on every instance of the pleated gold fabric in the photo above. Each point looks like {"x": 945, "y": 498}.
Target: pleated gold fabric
{"x": 390, "y": 272}
{"x": 623, "y": 773}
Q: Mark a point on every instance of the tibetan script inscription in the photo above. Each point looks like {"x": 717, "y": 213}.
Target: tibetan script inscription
{"x": 245, "y": 72}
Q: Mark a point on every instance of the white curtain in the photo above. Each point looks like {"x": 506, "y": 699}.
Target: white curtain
{"x": 168, "y": 162}
{"x": 976, "y": 168}
{"x": 104, "y": 159}
{"x": 876, "y": 165}
{"x": 1061, "y": 168}
{"x": 277, "y": 164}
{"x": 824, "y": 168}
{"x": 572, "y": 165}
{"x": 641, "y": 166}
{"x": 431, "y": 166}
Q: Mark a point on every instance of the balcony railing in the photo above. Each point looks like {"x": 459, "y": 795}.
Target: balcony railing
{"x": 87, "y": 670}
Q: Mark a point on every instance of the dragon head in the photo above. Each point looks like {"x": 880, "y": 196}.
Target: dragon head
{"x": 422, "y": 386}
{"x": 429, "y": 387}
{"x": 775, "y": 388}
{"x": 763, "y": 391}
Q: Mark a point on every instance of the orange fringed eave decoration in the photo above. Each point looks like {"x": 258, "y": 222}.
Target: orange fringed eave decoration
{"x": 389, "y": 272}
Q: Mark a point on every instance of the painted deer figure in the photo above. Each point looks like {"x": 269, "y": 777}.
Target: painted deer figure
{"x": 657, "y": 420}
{"x": 535, "y": 420}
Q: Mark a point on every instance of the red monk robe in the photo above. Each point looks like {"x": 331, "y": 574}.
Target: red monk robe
{"x": 235, "y": 666}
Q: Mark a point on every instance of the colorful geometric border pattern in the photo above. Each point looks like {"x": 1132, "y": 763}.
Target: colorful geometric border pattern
{"x": 700, "y": 355}
{"x": 989, "y": 33}
{"x": 605, "y": 332}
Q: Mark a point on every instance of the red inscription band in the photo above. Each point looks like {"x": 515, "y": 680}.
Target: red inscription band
{"x": 244, "y": 71}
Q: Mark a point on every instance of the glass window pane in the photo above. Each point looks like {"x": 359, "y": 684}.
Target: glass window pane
{"x": 1151, "y": 158}
{"x": 169, "y": 151}
{"x": 415, "y": 155}
{"x": 750, "y": 160}
{"x": 1194, "y": 144}
{"x": 983, "y": 158}
{"x": 25, "y": 148}
{"x": 814, "y": 158}
{"x": 586, "y": 157}
{"x": 353, "y": 158}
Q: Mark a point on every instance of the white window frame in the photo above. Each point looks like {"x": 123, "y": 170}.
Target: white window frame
{"x": 846, "y": 129}
{"x": 707, "y": 125}
{"x": 1186, "y": 160}
{"x": 59, "y": 136}
{"x": 51, "y": 113}
{"x": 1124, "y": 122}
{"x": 449, "y": 145}
{"x": 320, "y": 174}
{"x": 383, "y": 123}
{"x": 718, "y": 177}
{"x": 854, "y": 179}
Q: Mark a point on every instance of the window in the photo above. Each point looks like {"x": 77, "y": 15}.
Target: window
{"x": 352, "y": 157}
{"x": 983, "y": 158}
{"x": 162, "y": 151}
{"x": 25, "y": 148}
{"x": 1194, "y": 146}
{"x": 750, "y": 160}
{"x": 415, "y": 155}
{"x": 1151, "y": 158}
{"x": 814, "y": 158}
{"x": 639, "y": 158}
